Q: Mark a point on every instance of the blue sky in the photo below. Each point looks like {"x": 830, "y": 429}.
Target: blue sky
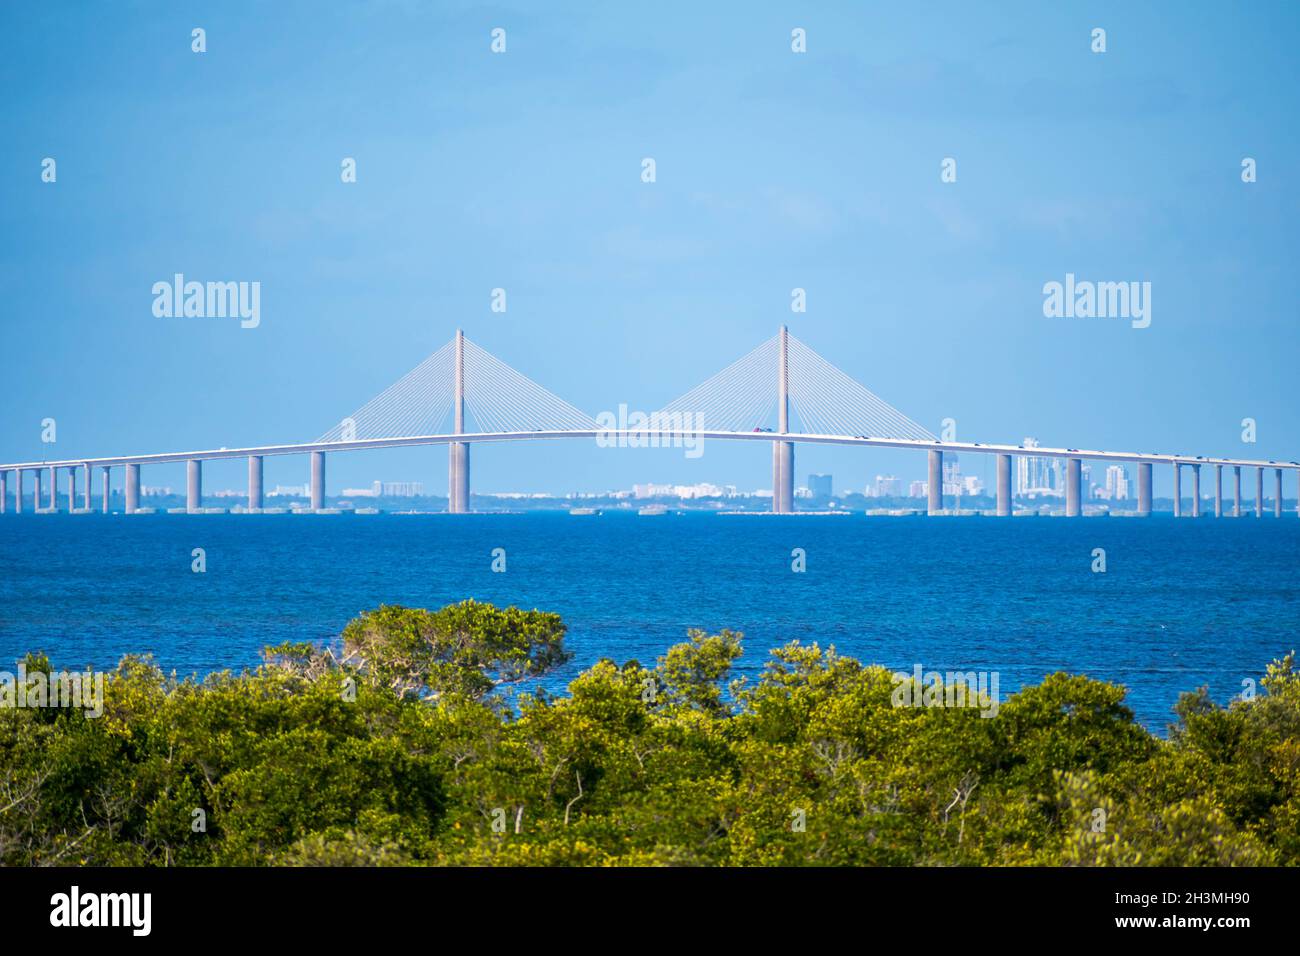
{"x": 522, "y": 171}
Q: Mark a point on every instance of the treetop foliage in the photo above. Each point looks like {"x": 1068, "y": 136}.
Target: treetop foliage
{"x": 397, "y": 749}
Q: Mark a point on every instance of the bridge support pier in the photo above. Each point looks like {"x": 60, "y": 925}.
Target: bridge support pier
{"x": 1236, "y": 491}
{"x": 783, "y": 451}
{"x": 777, "y": 480}
{"x": 85, "y": 496}
{"x": 254, "y": 482}
{"x": 103, "y": 504}
{"x": 1178, "y": 490}
{"x": 1073, "y": 479}
{"x": 54, "y": 488}
{"x": 18, "y": 491}
{"x": 317, "y": 480}
{"x": 787, "y": 475}
{"x": 36, "y": 490}
{"x": 1004, "y": 486}
{"x": 1144, "y": 489}
{"x": 1277, "y": 499}
{"x": 934, "y": 488}
{"x": 193, "y": 485}
{"x": 72, "y": 489}
{"x": 1218, "y": 491}
{"x": 1196, "y": 491}
{"x": 458, "y": 452}
{"x": 782, "y": 477}
{"x": 1259, "y": 492}
{"x": 458, "y": 478}
{"x": 132, "y": 489}
{"x": 4, "y": 492}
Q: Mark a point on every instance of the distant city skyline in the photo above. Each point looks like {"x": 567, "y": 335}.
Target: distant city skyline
{"x": 1116, "y": 487}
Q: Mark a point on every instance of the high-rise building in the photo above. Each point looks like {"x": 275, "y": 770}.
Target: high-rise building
{"x": 1038, "y": 476}
{"x": 398, "y": 489}
{"x": 952, "y": 484}
{"x": 887, "y": 486}
{"x": 1024, "y": 477}
{"x": 652, "y": 490}
{"x": 820, "y": 486}
{"x": 702, "y": 490}
{"x": 917, "y": 489}
{"x": 1117, "y": 483}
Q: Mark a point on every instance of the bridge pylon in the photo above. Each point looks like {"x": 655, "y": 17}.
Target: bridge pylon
{"x": 458, "y": 452}
{"x": 783, "y": 451}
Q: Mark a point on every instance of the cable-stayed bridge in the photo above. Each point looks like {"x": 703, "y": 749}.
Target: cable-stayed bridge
{"x": 781, "y": 392}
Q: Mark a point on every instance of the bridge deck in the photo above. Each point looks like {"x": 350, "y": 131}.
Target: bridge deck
{"x": 664, "y": 436}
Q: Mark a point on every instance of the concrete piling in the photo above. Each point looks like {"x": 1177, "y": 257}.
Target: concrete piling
{"x": 1004, "y": 486}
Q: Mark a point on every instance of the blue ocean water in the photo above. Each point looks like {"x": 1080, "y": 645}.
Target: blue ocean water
{"x": 1182, "y": 603}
